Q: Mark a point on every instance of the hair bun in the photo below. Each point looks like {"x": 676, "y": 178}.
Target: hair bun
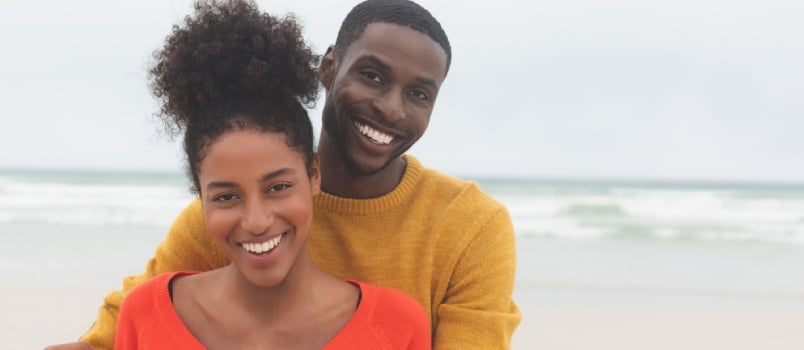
{"x": 228, "y": 52}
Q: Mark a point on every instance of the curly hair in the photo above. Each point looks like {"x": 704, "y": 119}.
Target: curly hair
{"x": 230, "y": 66}
{"x": 401, "y": 12}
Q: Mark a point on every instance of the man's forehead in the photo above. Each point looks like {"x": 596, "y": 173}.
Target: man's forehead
{"x": 379, "y": 38}
{"x": 380, "y": 30}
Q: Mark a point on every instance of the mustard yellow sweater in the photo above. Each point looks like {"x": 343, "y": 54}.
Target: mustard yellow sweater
{"x": 439, "y": 239}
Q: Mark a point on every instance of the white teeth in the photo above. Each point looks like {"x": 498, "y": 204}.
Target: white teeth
{"x": 375, "y": 135}
{"x": 262, "y": 247}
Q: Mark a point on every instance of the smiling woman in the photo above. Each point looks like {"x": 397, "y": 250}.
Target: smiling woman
{"x": 232, "y": 80}
{"x": 257, "y": 199}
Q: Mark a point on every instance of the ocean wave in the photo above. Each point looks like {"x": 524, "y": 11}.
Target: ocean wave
{"x": 558, "y": 210}
{"x": 84, "y": 203}
{"x": 697, "y": 214}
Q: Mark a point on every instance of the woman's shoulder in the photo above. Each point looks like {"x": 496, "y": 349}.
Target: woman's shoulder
{"x": 397, "y": 320}
{"x": 149, "y": 293}
{"x": 163, "y": 283}
{"x": 393, "y": 304}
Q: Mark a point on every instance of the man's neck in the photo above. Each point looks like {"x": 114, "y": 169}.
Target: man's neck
{"x": 339, "y": 179}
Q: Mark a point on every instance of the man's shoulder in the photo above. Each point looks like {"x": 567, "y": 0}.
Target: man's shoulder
{"x": 192, "y": 214}
{"x": 455, "y": 189}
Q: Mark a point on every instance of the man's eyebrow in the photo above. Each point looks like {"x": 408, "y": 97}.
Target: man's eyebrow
{"x": 427, "y": 81}
{"x": 382, "y": 65}
{"x": 377, "y": 61}
{"x": 266, "y": 177}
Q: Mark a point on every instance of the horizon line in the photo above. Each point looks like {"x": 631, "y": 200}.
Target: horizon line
{"x": 570, "y": 179}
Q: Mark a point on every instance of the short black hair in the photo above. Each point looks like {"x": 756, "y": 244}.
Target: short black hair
{"x": 230, "y": 66}
{"x": 402, "y": 12}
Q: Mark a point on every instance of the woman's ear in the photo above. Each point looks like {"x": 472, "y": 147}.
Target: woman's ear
{"x": 328, "y": 68}
{"x": 315, "y": 175}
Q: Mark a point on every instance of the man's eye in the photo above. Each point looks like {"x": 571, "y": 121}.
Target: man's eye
{"x": 373, "y": 77}
{"x": 419, "y": 94}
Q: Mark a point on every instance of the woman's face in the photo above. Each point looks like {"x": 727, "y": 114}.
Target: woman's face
{"x": 258, "y": 202}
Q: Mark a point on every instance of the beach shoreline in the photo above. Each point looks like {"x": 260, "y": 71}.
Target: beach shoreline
{"x": 640, "y": 294}
{"x": 573, "y": 294}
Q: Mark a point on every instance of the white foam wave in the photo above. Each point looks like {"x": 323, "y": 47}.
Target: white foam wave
{"x": 694, "y": 214}
{"x": 90, "y": 204}
{"x": 547, "y": 210}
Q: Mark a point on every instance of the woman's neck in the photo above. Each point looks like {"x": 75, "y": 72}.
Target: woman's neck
{"x": 305, "y": 310}
{"x": 295, "y": 293}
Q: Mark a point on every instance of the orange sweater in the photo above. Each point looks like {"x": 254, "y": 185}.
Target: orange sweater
{"x": 385, "y": 319}
{"x": 441, "y": 240}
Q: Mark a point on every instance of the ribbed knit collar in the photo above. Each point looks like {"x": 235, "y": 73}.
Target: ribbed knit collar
{"x": 400, "y": 194}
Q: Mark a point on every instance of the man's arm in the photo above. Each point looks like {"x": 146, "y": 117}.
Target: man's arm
{"x": 70, "y": 346}
{"x": 478, "y": 311}
{"x": 187, "y": 247}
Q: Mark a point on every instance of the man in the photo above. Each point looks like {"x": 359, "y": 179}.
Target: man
{"x": 382, "y": 217}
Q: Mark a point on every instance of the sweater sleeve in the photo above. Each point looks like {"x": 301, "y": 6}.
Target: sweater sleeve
{"x": 187, "y": 247}
{"x": 478, "y": 311}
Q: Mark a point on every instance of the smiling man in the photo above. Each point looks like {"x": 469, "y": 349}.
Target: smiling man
{"x": 381, "y": 90}
{"x": 382, "y": 217}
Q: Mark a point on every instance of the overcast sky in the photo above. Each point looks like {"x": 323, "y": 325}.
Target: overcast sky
{"x": 673, "y": 90}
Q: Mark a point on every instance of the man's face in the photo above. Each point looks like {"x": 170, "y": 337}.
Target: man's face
{"x": 380, "y": 94}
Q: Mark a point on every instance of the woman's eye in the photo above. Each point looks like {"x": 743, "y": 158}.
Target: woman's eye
{"x": 224, "y": 197}
{"x": 279, "y": 187}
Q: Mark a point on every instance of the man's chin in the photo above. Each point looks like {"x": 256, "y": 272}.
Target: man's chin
{"x": 367, "y": 167}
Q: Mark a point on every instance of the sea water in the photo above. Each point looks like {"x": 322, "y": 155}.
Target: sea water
{"x": 94, "y": 227}
{"x": 539, "y": 208}
{"x": 719, "y": 212}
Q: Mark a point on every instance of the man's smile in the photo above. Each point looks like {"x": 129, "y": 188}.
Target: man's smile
{"x": 374, "y": 135}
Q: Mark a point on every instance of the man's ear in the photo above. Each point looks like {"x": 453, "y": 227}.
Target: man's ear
{"x": 328, "y": 68}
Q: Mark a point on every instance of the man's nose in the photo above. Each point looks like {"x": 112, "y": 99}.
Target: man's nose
{"x": 391, "y": 105}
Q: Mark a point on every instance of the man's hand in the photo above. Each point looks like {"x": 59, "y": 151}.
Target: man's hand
{"x": 70, "y": 346}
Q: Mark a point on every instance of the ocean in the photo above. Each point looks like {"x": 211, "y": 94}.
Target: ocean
{"x": 94, "y": 227}
{"x": 719, "y": 212}
{"x": 568, "y": 209}
{"x": 68, "y": 237}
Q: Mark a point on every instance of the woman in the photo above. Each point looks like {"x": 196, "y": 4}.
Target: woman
{"x": 233, "y": 80}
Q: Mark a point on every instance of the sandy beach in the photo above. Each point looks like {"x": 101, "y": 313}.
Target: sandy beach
{"x": 34, "y": 318}
{"x": 660, "y": 328}
{"x": 659, "y": 295}
{"x": 573, "y": 295}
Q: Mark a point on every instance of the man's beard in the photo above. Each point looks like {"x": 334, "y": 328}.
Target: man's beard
{"x": 336, "y": 135}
